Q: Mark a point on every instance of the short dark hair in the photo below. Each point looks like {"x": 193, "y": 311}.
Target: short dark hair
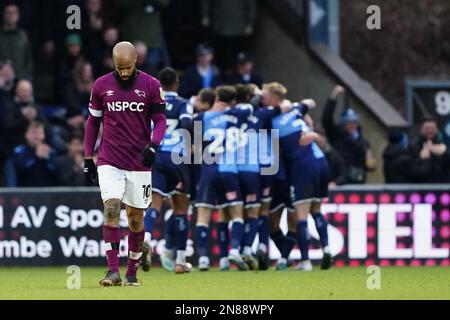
{"x": 75, "y": 135}
{"x": 36, "y": 124}
{"x": 242, "y": 93}
{"x": 226, "y": 94}
{"x": 207, "y": 95}
{"x": 428, "y": 119}
{"x": 168, "y": 77}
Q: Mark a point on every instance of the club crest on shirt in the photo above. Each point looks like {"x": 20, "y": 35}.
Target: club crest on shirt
{"x": 140, "y": 93}
{"x": 109, "y": 93}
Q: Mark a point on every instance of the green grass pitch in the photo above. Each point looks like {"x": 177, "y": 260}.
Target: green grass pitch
{"x": 158, "y": 284}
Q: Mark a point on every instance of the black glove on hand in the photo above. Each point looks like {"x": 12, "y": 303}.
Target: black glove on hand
{"x": 90, "y": 171}
{"x": 149, "y": 155}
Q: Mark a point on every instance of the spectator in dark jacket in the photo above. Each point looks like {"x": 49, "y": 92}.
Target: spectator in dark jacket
{"x": 431, "y": 157}
{"x": 397, "y": 159}
{"x": 21, "y": 113}
{"x": 204, "y": 74}
{"x": 100, "y": 56}
{"x": 7, "y": 81}
{"x": 244, "y": 71}
{"x": 346, "y": 137}
{"x": 141, "y": 59}
{"x": 67, "y": 64}
{"x": 70, "y": 166}
{"x": 141, "y": 21}
{"x": 93, "y": 24}
{"x": 14, "y": 43}
{"x": 7, "y": 77}
{"x": 35, "y": 161}
{"x": 78, "y": 92}
{"x": 231, "y": 23}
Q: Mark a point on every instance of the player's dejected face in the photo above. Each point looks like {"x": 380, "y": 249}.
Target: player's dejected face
{"x": 125, "y": 70}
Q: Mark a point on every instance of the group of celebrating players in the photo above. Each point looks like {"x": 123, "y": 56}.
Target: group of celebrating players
{"x": 232, "y": 130}
{"x": 257, "y": 157}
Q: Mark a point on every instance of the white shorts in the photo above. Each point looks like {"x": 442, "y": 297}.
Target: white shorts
{"x": 134, "y": 188}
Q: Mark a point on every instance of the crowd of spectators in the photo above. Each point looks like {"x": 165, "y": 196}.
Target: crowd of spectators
{"x": 41, "y": 141}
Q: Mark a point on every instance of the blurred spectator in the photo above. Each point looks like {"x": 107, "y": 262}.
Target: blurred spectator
{"x": 7, "y": 78}
{"x": 21, "y": 113}
{"x": 397, "y": 159}
{"x": 94, "y": 16}
{"x": 430, "y": 154}
{"x": 54, "y": 16}
{"x": 92, "y": 30}
{"x": 71, "y": 57}
{"x": 335, "y": 161}
{"x": 35, "y": 161}
{"x": 14, "y": 43}
{"x": 70, "y": 166}
{"x": 78, "y": 93}
{"x": 204, "y": 74}
{"x": 244, "y": 71}
{"x": 102, "y": 57}
{"x": 141, "y": 51}
{"x": 231, "y": 23}
{"x": 141, "y": 22}
{"x": 347, "y": 139}
{"x": 7, "y": 81}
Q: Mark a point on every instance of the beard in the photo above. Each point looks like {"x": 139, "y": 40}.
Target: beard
{"x": 126, "y": 84}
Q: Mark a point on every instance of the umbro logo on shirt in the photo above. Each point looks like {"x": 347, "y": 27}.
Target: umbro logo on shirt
{"x": 109, "y": 93}
{"x": 140, "y": 93}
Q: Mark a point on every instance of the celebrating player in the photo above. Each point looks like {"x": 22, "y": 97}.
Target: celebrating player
{"x": 249, "y": 178}
{"x": 308, "y": 178}
{"x": 219, "y": 183}
{"x": 171, "y": 179}
{"x": 125, "y": 101}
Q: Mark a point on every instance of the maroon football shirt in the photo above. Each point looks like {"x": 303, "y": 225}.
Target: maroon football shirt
{"x": 126, "y": 116}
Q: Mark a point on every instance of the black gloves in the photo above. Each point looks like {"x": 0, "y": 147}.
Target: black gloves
{"x": 90, "y": 171}
{"x": 149, "y": 154}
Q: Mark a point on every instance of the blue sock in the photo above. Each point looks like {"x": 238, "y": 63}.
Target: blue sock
{"x": 169, "y": 232}
{"x": 149, "y": 220}
{"x": 181, "y": 231}
{"x": 277, "y": 238}
{"x": 202, "y": 238}
{"x": 237, "y": 231}
{"x": 303, "y": 238}
{"x": 250, "y": 229}
{"x": 224, "y": 238}
{"x": 289, "y": 241}
{"x": 322, "y": 228}
{"x": 263, "y": 230}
